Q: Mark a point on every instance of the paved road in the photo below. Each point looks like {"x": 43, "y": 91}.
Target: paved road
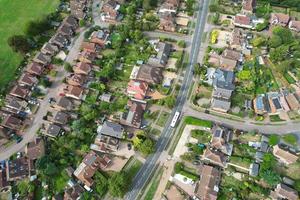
{"x": 30, "y": 132}
{"x": 284, "y": 128}
{"x": 157, "y": 34}
{"x": 149, "y": 166}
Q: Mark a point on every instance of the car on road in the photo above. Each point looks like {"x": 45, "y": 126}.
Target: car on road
{"x": 129, "y": 146}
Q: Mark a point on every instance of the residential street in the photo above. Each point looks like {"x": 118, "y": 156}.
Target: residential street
{"x": 30, "y": 132}
{"x": 285, "y": 128}
{"x": 148, "y": 168}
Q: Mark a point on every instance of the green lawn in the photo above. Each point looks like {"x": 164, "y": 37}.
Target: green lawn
{"x": 163, "y": 119}
{"x": 14, "y": 16}
{"x": 275, "y": 118}
{"x": 201, "y": 136}
{"x": 198, "y": 122}
{"x": 132, "y": 167}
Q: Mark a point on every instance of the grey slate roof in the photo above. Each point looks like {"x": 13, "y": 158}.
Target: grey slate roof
{"x": 224, "y": 79}
{"x": 161, "y": 59}
{"x": 220, "y": 104}
{"x": 111, "y": 129}
{"x": 254, "y": 169}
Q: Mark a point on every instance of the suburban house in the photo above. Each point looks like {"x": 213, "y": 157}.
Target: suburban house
{"x": 59, "y": 117}
{"x": 64, "y": 103}
{"x": 4, "y": 135}
{"x": 243, "y": 21}
{"x": 223, "y": 88}
{"x": 87, "y": 57}
{"x": 90, "y": 46}
{"x": 18, "y": 168}
{"x": 284, "y": 156}
{"x": 162, "y": 57}
{"x": 53, "y": 130}
{"x": 137, "y": 89}
{"x": 88, "y": 167}
{"x": 20, "y": 91}
{"x": 34, "y": 68}
{"x": 74, "y": 92}
{"x": 229, "y": 59}
{"x": 237, "y": 39}
{"x": 283, "y": 191}
{"x": 215, "y": 157}
{"x": 279, "y": 19}
{"x": 111, "y": 129}
{"x": 106, "y": 97}
{"x": 248, "y": 7}
{"x": 35, "y": 149}
{"x": 43, "y": 59}
{"x": 208, "y": 186}
{"x": 110, "y": 11}
{"x": 147, "y": 73}
{"x": 82, "y": 68}
{"x": 292, "y": 102}
{"x": 76, "y": 79}
{"x": 105, "y": 144}
{"x": 74, "y": 192}
{"x": 49, "y": 49}
{"x": 72, "y": 22}
{"x": 220, "y": 140}
{"x": 10, "y": 121}
{"x": 59, "y": 40}
{"x": 27, "y": 79}
{"x": 294, "y": 25}
{"x": 167, "y": 22}
{"x": 134, "y": 114}
{"x": 100, "y": 37}
{"x": 15, "y": 105}
{"x": 275, "y": 102}
{"x": 169, "y": 6}
{"x": 78, "y": 8}
{"x": 3, "y": 180}
{"x": 261, "y": 104}
{"x": 66, "y": 30}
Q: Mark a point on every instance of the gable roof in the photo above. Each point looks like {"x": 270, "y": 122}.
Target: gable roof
{"x": 284, "y": 155}
{"x": 207, "y": 187}
{"x": 34, "y": 68}
{"x": 215, "y": 157}
{"x": 28, "y": 79}
{"x": 111, "y": 129}
{"x": 149, "y": 74}
{"x": 19, "y": 91}
{"x": 35, "y": 149}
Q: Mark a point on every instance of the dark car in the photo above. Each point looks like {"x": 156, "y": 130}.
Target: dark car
{"x": 129, "y": 146}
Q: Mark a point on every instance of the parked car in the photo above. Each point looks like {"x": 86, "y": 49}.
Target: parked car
{"x": 129, "y": 146}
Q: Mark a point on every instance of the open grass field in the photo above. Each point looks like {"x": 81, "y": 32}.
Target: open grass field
{"x": 14, "y": 16}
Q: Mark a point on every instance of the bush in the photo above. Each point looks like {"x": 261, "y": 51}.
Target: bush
{"x": 274, "y": 139}
{"x": 68, "y": 67}
{"x": 290, "y": 139}
{"x": 178, "y": 167}
{"x": 19, "y": 43}
{"x": 181, "y": 43}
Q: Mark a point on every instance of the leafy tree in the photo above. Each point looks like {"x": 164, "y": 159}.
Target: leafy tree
{"x": 275, "y": 41}
{"x": 284, "y": 33}
{"x": 101, "y": 185}
{"x": 297, "y": 185}
{"x": 179, "y": 166}
{"x": 290, "y": 139}
{"x": 259, "y": 41}
{"x": 279, "y": 54}
{"x": 147, "y": 147}
{"x": 181, "y": 43}
{"x": 271, "y": 177}
{"x": 244, "y": 75}
{"x": 46, "y": 167}
{"x": 118, "y": 184}
{"x": 19, "y": 43}
{"x": 82, "y": 23}
{"x": 37, "y": 27}
{"x": 262, "y": 26}
{"x": 170, "y": 101}
{"x": 267, "y": 172}
{"x": 25, "y": 187}
{"x": 274, "y": 139}
{"x": 68, "y": 67}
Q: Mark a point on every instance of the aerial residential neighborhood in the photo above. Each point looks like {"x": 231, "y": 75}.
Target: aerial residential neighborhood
{"x": 150, "y": 99}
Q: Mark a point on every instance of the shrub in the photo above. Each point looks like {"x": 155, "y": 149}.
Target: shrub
{"x": 290, "y": 139}
{"x": 274, "y": 139}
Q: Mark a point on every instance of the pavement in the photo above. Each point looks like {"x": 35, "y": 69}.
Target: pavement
{"x": 53, "y": 91}
{"x": 148, "y": 168}
{"x": 289, "y": 127}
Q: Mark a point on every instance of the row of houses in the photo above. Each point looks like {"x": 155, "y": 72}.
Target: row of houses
{"x": 19, "y": 101}
{"x": 23, "y": 166}
{"x": 276, "y": 102}
{"x": 169, "y": 19}
{"x": 246, "y": 18}
{"x": 217, "y": 156}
